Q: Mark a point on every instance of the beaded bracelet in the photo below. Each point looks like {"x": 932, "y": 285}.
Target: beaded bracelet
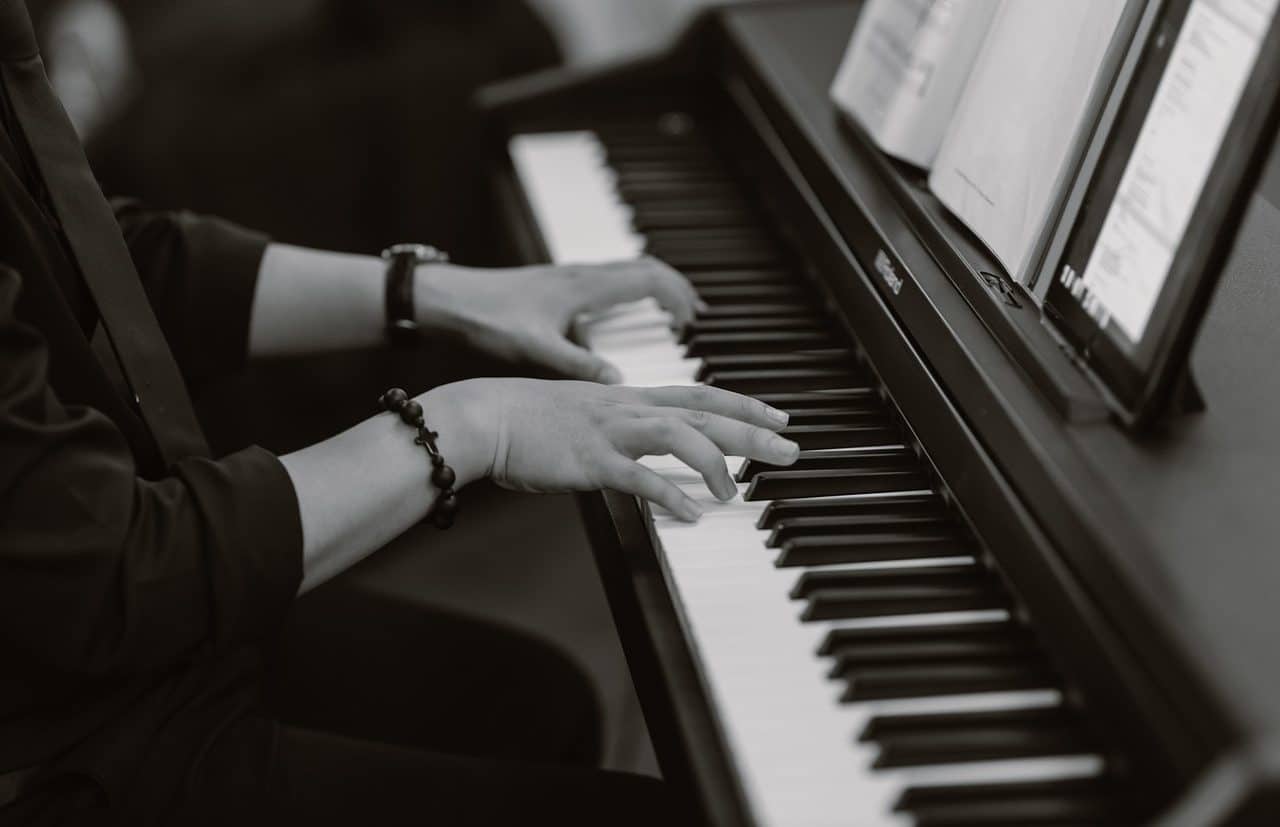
{"x": 446, "y": 506}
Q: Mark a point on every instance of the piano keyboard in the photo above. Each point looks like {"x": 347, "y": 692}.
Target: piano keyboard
{"x": 864, "y": 666}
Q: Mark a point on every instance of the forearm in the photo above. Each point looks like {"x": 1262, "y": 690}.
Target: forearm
{"x": 309, "y": 301}
{"x": 362, "y": 488}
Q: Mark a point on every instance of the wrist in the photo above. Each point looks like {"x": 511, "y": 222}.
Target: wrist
{"x": 435, "y": 300}
{"x": 465, "y": 439}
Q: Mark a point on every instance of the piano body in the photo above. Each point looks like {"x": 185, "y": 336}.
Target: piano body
{"x": 975, "y": 599}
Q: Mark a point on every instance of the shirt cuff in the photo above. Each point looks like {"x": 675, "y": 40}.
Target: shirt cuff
{"x": 254, "y": 559}
{"x": 225, "y": 260}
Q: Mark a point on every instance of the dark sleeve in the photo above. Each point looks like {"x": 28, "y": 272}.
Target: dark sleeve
{"x": 103, "y": 572}
{"x": 200, "y": 274}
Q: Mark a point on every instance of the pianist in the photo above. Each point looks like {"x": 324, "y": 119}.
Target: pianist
{"x": 144, "y": 583}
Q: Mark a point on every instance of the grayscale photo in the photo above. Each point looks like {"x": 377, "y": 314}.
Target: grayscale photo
{"x": 777, "y": 413}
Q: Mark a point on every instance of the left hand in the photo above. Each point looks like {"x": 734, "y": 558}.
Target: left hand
{"x": 523, "y": 314}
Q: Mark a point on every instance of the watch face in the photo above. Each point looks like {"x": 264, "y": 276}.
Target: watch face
{"x": 422, "y": 253}
{"x": 403, "y": 332}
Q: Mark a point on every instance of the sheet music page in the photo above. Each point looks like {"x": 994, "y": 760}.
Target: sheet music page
{"x": 1176, "y": 147}
{"x": 1000, "y": 163}
{"x": 905, "y": 66}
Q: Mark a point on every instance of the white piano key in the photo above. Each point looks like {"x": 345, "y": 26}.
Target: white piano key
{"x": 572, "y": 197}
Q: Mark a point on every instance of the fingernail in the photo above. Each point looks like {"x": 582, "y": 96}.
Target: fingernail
{"x": 780, "y": 417}
{"x": 786, "y": 449}
{"x": 690, "y": 511}
{"x": 609, "y": 375}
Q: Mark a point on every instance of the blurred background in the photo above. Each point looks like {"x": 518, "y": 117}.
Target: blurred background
{"x": 335, "y": 123}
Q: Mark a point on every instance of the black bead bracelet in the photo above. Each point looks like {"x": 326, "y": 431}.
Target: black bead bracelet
{"x": 445, "y": 509}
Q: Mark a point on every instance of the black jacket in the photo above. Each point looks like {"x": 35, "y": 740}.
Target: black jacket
{"x": 133, "y": 597}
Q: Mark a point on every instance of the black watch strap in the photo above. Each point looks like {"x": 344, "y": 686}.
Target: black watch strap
{"x": 402, "y": 263}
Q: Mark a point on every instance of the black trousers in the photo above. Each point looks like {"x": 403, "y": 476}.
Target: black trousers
{"x": 386, "y": 713}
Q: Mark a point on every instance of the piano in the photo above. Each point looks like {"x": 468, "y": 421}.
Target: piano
{"x": 975, "y": 599}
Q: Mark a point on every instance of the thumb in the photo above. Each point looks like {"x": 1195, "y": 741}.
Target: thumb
{"x": 574, "y": 362}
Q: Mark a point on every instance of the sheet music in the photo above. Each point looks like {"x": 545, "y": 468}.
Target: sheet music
{"x": 1176, "y": 147}
{"x": 905, "y": 66}
{"x": 1002, "y": 159}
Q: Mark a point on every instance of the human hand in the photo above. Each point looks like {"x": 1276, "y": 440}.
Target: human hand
{"x": 522, "y": 314}
{"x": 553, "y": 436}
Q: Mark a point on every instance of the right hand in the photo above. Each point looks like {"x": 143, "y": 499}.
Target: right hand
{"x": 553, "y": 436}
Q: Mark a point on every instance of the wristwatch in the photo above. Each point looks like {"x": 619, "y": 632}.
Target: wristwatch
{"x": 402, "y": 261}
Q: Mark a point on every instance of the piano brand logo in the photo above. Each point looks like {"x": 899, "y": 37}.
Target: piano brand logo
{"x": 887, "y": 272}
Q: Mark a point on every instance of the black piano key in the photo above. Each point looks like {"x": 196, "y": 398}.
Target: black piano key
{"x": 860, "y": 435}
{"x": 811, "y": 582}
{"x": 808, "y": 400}
{"x": 787, "y": 530}
{"x": 923, "y": 740}
{"x": 719, "y": 258}
{"x": 1076, "y": 802}
{"x": 711, "y": 278}
{"x": 701, "y": 236}
{"x": 753, "y": 293}
{"x": 994, "y": 742}
{"x": 779, "y": 511}
{"x": 720, "y": 343}
{"x": 654, "y": 218}
{"x": 871, "y": 546}
{"x": 639, "y": 191}
{"x": 751, "y": 324}
{"x": 717, "y": 254}
{"x": 890, "y": 725}
{"x": 891, "y": 459}
{"x": 834, "y": 357}
{"x": 643, "y": 205}
{"x": 741, "y": 311}
{"x": 955, "y": 647}
{"x": 884, "y": 600}
{"x": 835, "y": 460}
{"x": 922, "y": 680}
{"x": 784, "y": 485}
{"x": 998, "y": 638}
{"x": 756, "y": 381}
{"x": 839, "y": 416}
{"x": 790, "y": 484}
{"x": 835, "y": 595}
{"x": 669, "y": 169}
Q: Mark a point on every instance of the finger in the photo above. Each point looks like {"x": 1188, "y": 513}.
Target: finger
{"x": 716, "y": 401}
{"x": 630, "y": 477}
{"x": 633, "y": 280}
{"x": 736, "y": 438}
{"x": 663, "y": 435}
{"x": 555, "y": 352}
